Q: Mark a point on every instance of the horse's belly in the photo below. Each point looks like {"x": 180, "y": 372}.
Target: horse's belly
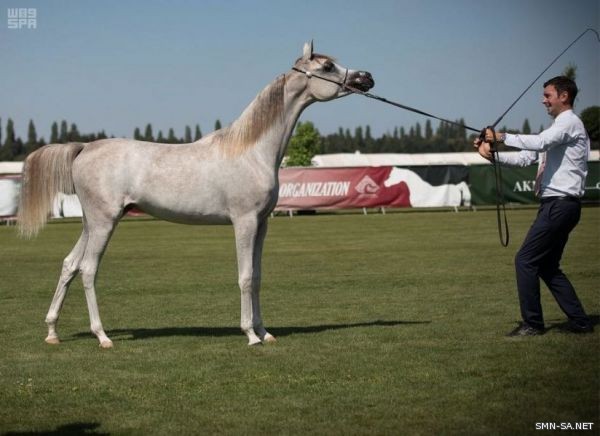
{"x": 184, "y": 213}
{"x": 185, "y": 216}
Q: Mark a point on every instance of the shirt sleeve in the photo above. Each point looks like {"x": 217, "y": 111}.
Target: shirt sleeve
{"x": 558, "y": 133}
{"x": 522, "y": 159}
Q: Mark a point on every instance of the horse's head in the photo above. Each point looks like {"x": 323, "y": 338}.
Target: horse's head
{"x": 325, "y": 79}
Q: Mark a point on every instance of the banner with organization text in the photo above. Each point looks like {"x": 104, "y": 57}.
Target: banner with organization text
{"x": 336, "y": 188}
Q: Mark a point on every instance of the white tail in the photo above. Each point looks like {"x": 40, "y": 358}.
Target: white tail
{"x": 46, "y": 172}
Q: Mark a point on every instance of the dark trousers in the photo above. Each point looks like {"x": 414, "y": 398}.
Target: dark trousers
{"x": 539, "y": 257}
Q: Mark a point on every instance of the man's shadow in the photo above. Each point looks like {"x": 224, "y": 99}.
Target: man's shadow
{"x": 564, "y": 325}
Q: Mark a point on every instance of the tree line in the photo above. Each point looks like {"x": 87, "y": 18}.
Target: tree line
{"x": 447, "y": 137}
{"x": 305, "y": 143}
{"x": 419, "y": 138}
{"x": 14, "y": 148}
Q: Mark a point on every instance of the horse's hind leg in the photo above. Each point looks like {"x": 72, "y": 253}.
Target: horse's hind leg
{"x": 69, "y": 271}
{"x": 99, "y": 235}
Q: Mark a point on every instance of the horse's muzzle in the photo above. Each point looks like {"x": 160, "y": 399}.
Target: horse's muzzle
{"x": 361, "y": 80}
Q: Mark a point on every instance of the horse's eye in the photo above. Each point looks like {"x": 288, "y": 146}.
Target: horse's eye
{"x": 328, "y": 67}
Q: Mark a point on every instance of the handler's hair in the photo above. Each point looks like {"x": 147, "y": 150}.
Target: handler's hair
{"x": 564, "y": 84}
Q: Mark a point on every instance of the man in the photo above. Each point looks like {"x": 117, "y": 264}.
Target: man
{"x": 562, "y": 151}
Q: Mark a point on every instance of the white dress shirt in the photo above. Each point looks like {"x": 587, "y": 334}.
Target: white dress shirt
{"x": 567, "y": 148}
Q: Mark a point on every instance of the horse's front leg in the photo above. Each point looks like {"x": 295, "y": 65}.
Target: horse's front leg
{"x": 249, "y": 235}
{"x": 257, "y": 322}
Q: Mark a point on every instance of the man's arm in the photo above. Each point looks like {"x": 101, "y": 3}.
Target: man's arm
{"x": 558, "y": 133}
{"x": 521, "y": 159}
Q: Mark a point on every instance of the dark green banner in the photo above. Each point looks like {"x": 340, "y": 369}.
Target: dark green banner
{"x": 518, "y": 184}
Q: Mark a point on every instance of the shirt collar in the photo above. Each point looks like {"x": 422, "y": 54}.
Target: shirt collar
{"x": 566, "y": 113}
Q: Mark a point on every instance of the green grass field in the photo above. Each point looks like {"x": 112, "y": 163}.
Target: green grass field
{"x": 386, "y": 324}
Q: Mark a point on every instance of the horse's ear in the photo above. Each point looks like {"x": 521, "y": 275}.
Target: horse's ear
{"x": 308, "y": 51}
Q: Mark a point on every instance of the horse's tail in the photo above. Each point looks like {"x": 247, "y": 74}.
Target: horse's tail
{"x": 46, "y": 172}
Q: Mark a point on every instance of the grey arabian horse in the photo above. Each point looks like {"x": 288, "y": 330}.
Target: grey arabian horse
{"x": 229, "y": 176}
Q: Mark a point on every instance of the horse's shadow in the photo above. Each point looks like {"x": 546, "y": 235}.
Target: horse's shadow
{"x": 76, "y": 428}
{"x": 133, "y": 334}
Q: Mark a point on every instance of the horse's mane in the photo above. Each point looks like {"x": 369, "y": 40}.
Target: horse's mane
{"x": 259, "y": 116}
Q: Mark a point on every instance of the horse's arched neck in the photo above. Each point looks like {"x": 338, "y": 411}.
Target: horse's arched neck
{"x": 295, "y": 100}
{"x": 266, "y": 125}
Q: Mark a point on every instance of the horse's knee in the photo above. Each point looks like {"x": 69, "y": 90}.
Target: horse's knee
{"x": 248, "y": 283}
{"x": 69, "y": 269}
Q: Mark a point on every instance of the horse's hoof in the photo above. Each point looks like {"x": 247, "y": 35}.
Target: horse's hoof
{"x": 52, "y": 340}
{"x": 269, "y": 338}
{"x": 106, "y": 344}
{"x": 254, "y": 343}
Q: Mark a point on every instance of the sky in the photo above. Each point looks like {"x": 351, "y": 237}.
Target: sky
{"x": 117, "y": 65}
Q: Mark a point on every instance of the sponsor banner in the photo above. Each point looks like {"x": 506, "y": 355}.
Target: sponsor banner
{"x": 519, "y": 183}
{"x": 333, "y": 188}
{"x": 592, "y": 183}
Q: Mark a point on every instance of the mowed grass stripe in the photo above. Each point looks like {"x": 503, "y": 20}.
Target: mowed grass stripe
{"x": 386, "y": 324}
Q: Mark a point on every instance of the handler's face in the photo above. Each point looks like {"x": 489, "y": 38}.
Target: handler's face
{"x": 555, "y": 103}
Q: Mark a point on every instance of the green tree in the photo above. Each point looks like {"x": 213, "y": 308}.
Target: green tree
{"x": 304, "y": 144}
{"x": 359, "y": 139}
{"x": 148, "y": 135}
{"x": 369, "y": 141}
{"x": 12, "y": 145}
{"x": 418, "y": 132}
{"x": 64, "y": 132}
{"x": 137, "y": 134}
{"x": 6, "y": 150}
{"x": 32, "y": 140}
{"x": 172, "y": 139}
{"x": 188, "y": 135}
{"x": 591, "y": 120}
{"x": 428, "y": 130}
{"x": 526, "y": 129}
{"x": 198, "y": 133}
{"x": 54, "y": 133}
{"x": 570, "y": 71}
{"x": 217, "y": 125}
{"x": 160, "y": 137}
{"x": 73, "y": 135}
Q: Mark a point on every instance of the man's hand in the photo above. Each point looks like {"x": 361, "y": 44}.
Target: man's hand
{"x": 483, "y": 148}
{"x": 490, "y": 137}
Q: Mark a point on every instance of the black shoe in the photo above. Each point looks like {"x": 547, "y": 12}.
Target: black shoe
{"x": 577, "y": 328}
{"x": 524, "y": 329}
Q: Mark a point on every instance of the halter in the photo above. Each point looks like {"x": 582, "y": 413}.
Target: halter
{"x": 310, "y": 74}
